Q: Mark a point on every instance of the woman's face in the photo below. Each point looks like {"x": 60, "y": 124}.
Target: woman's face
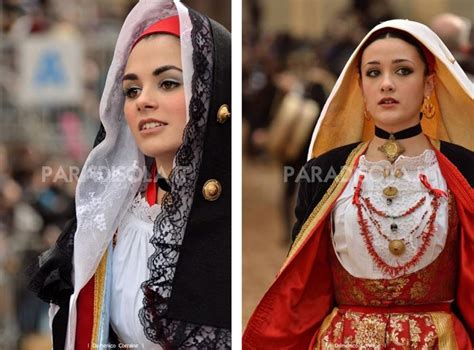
{"x": 394, "y": 83}
{"x": 155, "y": 107}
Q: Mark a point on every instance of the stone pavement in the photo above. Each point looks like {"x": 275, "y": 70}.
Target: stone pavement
{"x": 264, "y": 246}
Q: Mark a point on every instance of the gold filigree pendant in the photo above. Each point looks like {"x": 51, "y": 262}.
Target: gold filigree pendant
{"x": 391, "y": 149}
{"x": 390, "y": 191}
{"x": 396, "y": 247}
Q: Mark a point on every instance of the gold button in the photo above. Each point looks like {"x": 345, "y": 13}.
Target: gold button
{"x": 223, "y": 114}
{"x": 211, "y": 190}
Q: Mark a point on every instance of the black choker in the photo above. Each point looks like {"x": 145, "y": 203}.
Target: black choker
{"x": 163, "y": 183}
{"x": 400, "y": 135}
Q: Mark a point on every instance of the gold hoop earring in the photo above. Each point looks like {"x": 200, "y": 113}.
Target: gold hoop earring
{"x": 428, "y": 109}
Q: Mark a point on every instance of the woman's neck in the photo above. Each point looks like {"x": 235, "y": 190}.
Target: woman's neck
{"x": 163, "y": 167}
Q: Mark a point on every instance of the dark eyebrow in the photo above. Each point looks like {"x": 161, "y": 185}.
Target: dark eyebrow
{"x": 130, "y": 76}
{"x": 372, "y": 62}
{"x": 156, "y": 72}
{"x": 160, "y": 70}
{"x": 398, "y": 60}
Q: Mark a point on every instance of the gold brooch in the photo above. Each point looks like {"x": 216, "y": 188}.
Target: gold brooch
{"x": 391, "y": 149}
{"x": 396, "y": 247}
{"x": 390, "y": 191}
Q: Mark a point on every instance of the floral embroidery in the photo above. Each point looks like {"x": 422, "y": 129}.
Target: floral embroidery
{"x": 99, "y": 219}
{"x": 356, "y": 330}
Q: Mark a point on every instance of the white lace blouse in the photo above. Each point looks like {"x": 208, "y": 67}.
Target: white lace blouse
{"x": 403, "y": 174}
{"x": 129, "y": 271}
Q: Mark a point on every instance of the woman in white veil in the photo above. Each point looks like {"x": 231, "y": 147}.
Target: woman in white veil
{"x": 146, "y": 261}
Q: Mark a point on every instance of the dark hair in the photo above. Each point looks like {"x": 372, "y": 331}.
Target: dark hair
{"x": 384, "y": 33}
{"x": 154, "y": 35}
{"x": 151, "y": 36}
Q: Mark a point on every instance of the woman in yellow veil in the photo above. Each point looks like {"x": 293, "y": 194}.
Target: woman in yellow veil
{"x": 382, "y": 249}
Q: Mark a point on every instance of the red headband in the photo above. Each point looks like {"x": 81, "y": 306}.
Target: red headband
{"x": 168, "y": 25}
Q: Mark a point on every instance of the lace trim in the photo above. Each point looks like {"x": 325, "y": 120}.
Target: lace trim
{"x": 142, "y": 210}
{"x": 421, "y": 162}
{"x": 93, "y": 207}
{"x": 403, "y": 174}
{"x": 406, "y": 186}
{"x": 170, "y": 224}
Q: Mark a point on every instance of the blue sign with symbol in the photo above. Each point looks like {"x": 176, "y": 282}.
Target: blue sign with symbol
{"x": 50, "y": 70}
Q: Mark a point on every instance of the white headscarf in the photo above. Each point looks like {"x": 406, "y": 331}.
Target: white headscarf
{"x": 342, "y": 119}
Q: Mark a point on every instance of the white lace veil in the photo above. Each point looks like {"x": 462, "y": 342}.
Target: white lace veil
{"x": 115, "y": 168}
{"x": 342, "y": 119}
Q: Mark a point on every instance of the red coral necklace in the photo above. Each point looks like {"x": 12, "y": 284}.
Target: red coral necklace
{"x": 396, "y": 246}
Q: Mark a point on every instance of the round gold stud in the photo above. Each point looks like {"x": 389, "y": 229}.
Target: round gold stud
{"x": 223, "y": 114}
{"x": 396, "y": 247}
{"x": 398, "y": 173}
{"x": 386, "y": 172}
{"x": 211, "y": 190}
{"x": 390, "y": 191}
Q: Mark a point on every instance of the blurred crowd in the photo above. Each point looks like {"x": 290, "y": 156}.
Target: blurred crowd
{"x": 287, "y": 79}
{"x": 36, "y": 198}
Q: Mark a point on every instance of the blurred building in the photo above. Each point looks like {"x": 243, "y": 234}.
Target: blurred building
{"x": 311, "y": 18}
